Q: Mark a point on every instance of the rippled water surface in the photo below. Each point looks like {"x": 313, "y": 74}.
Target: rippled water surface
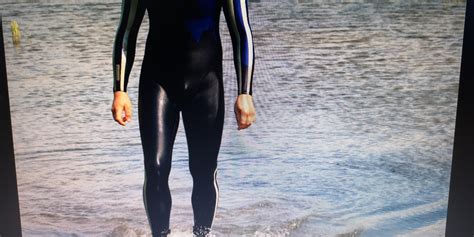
{"x": 355, "y": 101}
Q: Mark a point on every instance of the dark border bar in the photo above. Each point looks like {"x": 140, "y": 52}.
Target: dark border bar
{"x": 460, "y": 219}
{"x": 10, "y": 222}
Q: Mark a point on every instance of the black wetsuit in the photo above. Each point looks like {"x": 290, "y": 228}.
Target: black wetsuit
{"x": 182, "y": 71}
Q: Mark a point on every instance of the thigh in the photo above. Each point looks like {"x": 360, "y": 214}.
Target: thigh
{"x": 203, "y": 117}
{"x": 158, "y": 120}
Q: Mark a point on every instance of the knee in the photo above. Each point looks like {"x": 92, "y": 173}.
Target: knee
{"x": 157, "y": 170}
{"x": 203, "y": 170}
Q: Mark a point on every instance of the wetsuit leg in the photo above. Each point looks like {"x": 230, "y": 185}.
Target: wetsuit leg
{"x": 158, "y": 120}
{"x": 203, "y": 119}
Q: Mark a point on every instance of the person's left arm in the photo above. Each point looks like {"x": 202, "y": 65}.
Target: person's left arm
{"x": 237, "y": 18}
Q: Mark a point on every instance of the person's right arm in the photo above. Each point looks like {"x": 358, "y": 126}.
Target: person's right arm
{"x": 123, "y": 56}
{"x": 125, "y": 42}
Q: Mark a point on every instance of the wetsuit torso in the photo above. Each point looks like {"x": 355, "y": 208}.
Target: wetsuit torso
{"x": 182, "y": 72}
{"x": 184, "y": 39}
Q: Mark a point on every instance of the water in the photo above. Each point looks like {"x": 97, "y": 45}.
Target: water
{"x": 355, "y": 100}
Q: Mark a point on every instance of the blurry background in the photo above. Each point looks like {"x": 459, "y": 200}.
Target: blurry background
{"x": 356, "y": 104}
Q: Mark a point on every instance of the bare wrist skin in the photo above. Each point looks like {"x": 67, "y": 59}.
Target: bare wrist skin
{"x": 120, "y": 93}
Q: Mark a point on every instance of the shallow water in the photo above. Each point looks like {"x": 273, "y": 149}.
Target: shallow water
{"x": 356, "y": 104}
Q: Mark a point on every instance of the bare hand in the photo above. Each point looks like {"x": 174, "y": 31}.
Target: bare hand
{"x": 244, "y": 111}
{"x": 120, "y": 105}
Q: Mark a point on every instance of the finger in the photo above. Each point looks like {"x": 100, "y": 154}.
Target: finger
{"x": 118, "y": 116}
{"x": 128, "y": 114}
{"x": 247, "y": 123}
{"x": 243, "y": 119}
{"x": 240, "y": 122}
{"x": 237, "y": 117}
{"x": 244, "y": 126}
{"x": 250, "y": 119}
{"x": 253, "y": 119}
{"x": 244, "y": 122}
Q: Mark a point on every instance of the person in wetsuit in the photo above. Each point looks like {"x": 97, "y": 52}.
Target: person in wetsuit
{"x": 182, "y": 72}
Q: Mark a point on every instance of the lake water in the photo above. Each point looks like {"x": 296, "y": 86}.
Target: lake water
{"x": 356, "y": 104}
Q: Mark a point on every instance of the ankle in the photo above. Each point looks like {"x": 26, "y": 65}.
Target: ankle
{"x": 201, "y": 231}
{"x": 163, "y": 233}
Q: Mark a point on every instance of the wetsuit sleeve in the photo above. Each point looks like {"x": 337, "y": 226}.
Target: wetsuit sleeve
{"x": 237, "y": 18}
{"x": 125, "y": 42}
